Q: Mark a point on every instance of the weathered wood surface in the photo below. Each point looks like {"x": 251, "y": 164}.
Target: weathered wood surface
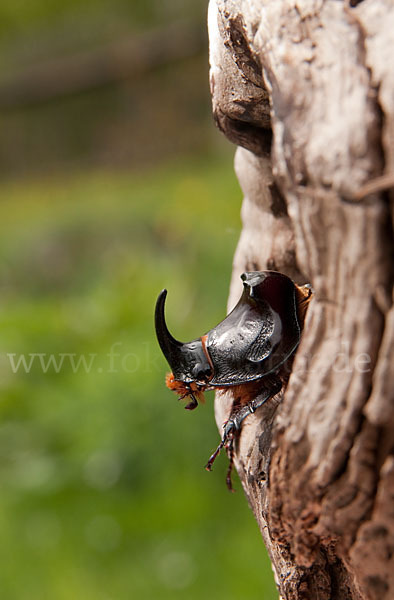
{"x": 306, "y": 89}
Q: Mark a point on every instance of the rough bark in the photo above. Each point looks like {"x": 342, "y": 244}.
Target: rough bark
{"x": 306, "y": 89}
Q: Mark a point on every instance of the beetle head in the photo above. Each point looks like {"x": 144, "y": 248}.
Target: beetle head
{"x": 188, "y": 361}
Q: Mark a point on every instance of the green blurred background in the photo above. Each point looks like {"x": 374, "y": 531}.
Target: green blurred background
{"x": 114, "y": 184}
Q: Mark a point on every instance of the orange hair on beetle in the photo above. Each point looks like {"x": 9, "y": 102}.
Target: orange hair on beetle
{"x": 184, "y": 389}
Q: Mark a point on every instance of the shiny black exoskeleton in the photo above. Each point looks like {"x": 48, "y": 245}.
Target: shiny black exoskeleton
{"x": 252, "y": 344}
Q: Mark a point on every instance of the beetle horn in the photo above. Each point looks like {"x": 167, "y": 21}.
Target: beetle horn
{"x": 187, "y": 360}
{"x": 170, "y": 347}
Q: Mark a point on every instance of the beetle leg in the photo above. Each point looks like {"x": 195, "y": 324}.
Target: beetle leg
{"x": 228, "y": 443}
{"x": 233, "y": 426}
{"x": 213, "y": 456}
{"x": 239, "y": 414}
{"x": 230, "y": 454}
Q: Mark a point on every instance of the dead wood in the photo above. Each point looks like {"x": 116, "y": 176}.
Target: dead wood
{"x": 306, "y": 90}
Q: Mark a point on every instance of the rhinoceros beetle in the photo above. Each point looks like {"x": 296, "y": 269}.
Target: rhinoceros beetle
{"x": 248, "y": 353}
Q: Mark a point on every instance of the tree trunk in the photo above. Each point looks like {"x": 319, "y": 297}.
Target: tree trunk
{"x": 306, "y": 89}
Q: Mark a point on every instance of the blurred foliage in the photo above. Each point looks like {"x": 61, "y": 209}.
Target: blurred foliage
{"x": 19, "y": 16}
{"x": 104, "y": 495}
{"x": 126, "y": 125}
{"x": 131, "y": 122}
